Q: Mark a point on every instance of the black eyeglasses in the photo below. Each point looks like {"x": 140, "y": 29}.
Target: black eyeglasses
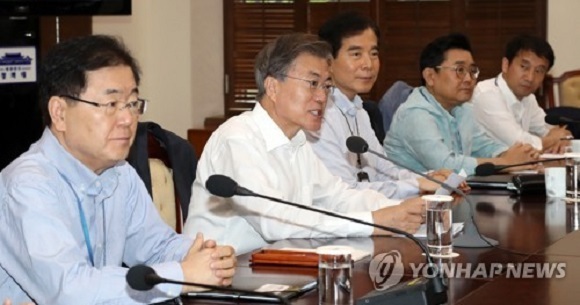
{"x": 136, "y": 107}
{"x": 461, "y": 70}
{"x": 314, "y": 84}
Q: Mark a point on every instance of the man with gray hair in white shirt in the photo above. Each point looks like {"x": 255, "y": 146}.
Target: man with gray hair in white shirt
{"x": 266, "y": 151}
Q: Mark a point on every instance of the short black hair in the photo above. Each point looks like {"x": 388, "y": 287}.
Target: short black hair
{"x": 525, "y": 42}
{"x": 433, "y": 54}
{"x": 64, "y": 69}
{"x": 345, "y": 25}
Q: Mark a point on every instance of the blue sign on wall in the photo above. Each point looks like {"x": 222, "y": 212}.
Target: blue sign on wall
{"x": 17, "y": 65}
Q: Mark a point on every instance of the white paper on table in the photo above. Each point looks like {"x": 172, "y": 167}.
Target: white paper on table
{"x": 454, "y": 180}
{"x": 552, "y": 156}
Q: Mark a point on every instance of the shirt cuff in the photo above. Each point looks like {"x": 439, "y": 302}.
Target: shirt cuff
{"x": 469, "y": 166}
{"x": 408, "y": 187}
{"x": 172, "y": 271}
{"x": 360, "y": 229}
{"x": 536, "y": 142}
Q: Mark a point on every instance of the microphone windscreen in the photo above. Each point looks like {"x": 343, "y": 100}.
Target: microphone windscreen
{"x": 222, "y": 186}
{"x": 357, "y": 145}
{"x": 485, "y": 169}
{"x": 137, "y": 277}
{"x": 553, "y": 119}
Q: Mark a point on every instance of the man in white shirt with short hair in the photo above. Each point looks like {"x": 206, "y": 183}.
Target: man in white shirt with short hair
{"x": 266, "y": 151}
{"x": 506, "y": 107}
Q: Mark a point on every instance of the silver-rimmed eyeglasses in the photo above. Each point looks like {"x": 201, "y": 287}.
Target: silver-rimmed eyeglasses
{"x": 314, "y": 84}
{"x": 461, "y": 70}
{"x": 136, "y": 107}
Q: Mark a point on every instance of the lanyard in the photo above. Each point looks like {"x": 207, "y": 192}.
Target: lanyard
{"x": 83, "y": 222}
{"x": 361, "y": 175}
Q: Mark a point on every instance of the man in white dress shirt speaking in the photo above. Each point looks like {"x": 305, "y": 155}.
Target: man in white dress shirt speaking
{"x": 506, "y": 107}
{"x": 266, "y": 151}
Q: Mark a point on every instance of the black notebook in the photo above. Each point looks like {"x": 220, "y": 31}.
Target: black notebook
{"x": 521, "y": 184}
{"x": 504, "y": 182}
{"x": 285, "y": 285}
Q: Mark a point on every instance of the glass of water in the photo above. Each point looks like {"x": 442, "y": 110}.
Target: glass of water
{"x": 439, "y": 224}
{"x": 335, "y": 275}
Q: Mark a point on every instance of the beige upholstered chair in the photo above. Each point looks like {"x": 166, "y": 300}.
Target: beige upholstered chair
{"x": 563, "y": 91}
{"x": 164, "y": 193}
{"x": 162, "y": 185}
{"x": 166, "y": 163}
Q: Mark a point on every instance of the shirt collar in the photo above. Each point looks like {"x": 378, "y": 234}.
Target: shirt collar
{"x": 345, "y": 105}
{"x": 77, "y": 174}
{"x": 272, "y": 133}
{"x": 437, "y": 108}
{"x": 508, "y": 94}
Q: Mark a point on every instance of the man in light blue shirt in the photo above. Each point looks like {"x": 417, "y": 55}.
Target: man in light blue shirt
{"x": 354, "y": 69}
{"x": 435, "y": 127}
{"x": 73, "y": 211}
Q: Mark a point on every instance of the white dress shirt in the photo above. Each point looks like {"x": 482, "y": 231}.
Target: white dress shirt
{"x": 253, "y": 150}
{"x": 344, "y": 118}
{"x": 504, "y": 117}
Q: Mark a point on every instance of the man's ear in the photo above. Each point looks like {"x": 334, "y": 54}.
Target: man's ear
{"x": 271, "y": 85}
{"x": 505, "y": 64}
{"x": 429, "y": 76}
{"x": 57, "y": 108}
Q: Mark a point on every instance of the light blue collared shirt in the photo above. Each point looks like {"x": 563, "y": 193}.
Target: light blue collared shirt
{"x": 424, "y": 136}
{"x": 44, "y": 256}
{"x": 343, "y": 118}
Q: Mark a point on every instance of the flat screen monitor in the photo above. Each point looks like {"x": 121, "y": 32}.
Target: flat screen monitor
{"x": 64, "y": 7}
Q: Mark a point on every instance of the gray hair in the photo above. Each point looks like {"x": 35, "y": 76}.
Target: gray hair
{"x": 276, "y": 58}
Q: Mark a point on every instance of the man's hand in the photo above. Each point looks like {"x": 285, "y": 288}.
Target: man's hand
{"x": 519, "y": 153}
{"x": 207, "y": 263}
{"x": 427, "y": 186}
{"x": 556, "y": 140}
{"x": 407, "y": 216}
{"x": 9, "y": 302}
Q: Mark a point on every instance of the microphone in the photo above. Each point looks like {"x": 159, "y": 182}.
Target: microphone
{"x": 553, "y": 119}
{"x": 224, "y": 186}
{"x": 487, "y": 169}
{"x": 471, "y": 238}
{"x": 143, "y": 278}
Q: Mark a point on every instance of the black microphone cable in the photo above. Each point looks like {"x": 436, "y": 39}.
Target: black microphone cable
{"x": 358, "y": 144}
{"x": 143, "y": 278}
{"x": 224, "y": 186}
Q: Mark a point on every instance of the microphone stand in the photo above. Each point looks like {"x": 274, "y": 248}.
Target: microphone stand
{"x": 438, "y": 286}
{"x": 143, "y": 278}
{"x": 471, "y": 237}
{"x": 434, "y": 292}
{"x": 487, "y": 169}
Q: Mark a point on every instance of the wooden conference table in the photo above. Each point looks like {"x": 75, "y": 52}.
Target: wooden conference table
{"x": 542, "y": 230}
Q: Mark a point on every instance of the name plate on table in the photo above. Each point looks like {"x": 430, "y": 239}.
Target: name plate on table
{"x": 294, "y": 257}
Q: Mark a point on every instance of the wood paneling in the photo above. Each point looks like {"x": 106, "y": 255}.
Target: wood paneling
{"x": 406, "y": 27}
{"x": 68, "y": 27}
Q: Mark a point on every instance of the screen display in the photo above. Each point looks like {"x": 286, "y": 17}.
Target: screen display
{"x": 64, "y": 7}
